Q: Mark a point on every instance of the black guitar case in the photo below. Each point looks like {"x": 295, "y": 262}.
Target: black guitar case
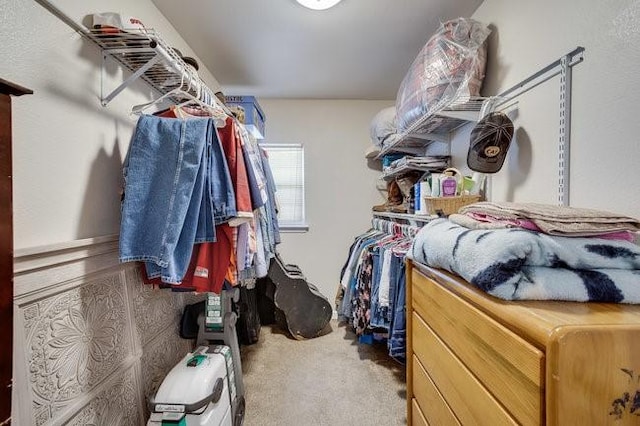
{"x": 306, "y": 311}
{"x": 266, "y": 290}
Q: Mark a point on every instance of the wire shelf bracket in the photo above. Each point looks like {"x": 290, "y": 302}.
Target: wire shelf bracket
{"x": 562, "y": 67}
{"x": 104, "y": 100}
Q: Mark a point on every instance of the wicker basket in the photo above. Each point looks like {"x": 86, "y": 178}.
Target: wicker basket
{"x": 448, "y": 205}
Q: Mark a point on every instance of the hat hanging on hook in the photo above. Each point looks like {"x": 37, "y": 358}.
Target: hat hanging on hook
{"x": 489, "y": 143}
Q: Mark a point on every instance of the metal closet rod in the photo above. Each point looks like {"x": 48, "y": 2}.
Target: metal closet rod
{"x": 575, "y": 56}
{"x": 63, "y": 16}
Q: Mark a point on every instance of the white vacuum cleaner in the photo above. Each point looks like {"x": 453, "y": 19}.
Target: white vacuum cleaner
{"x": 205, "y": 388}
{"x": 194, "y": 393}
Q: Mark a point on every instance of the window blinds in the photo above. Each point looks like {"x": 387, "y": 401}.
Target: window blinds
{"x": 287, "y": 166}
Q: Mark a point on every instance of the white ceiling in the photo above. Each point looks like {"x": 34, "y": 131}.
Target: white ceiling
{"x": 360, "y": 49}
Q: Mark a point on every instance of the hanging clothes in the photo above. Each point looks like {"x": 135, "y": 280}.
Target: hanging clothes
{"x": 220, "y": 195}
{"x": 223, "y": 155}
{"x": 232, "y": 147}
{"x": 255, "y": 173}
{"x": 165, "y": 183}
{"x": 187, "y": 174}
{"x": 371, "y": 295}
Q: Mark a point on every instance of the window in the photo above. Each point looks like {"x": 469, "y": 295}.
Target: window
{"x": 287, "y": 166}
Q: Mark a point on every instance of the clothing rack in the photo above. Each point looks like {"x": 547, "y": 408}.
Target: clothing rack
{"x": 371, "y": 294}
{"x": 411, "y": 219}
{"x": 395, "y": 228}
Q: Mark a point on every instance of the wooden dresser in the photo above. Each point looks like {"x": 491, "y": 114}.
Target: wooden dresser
{"x": 473, "y": 359}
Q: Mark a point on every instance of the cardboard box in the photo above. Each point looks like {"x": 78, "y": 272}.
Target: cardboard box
{"x": 254, "y": 116}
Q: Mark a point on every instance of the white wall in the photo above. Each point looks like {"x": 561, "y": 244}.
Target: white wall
{"x": 606, "y": 131}
{"x": 340, "y": 187}
{"x": 68, "y": 149}
{"x": 67, "y": 157}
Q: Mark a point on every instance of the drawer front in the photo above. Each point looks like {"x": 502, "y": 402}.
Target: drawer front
{"x": 416, "y": 413}
{"x": 594, "y": 376}
{"x": 436, "y": 410}
{"x": 471, "y": 403}
{"x": 508, "y": 366}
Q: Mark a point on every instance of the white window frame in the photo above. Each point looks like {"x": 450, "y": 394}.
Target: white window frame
{"x": 301, "y": 225}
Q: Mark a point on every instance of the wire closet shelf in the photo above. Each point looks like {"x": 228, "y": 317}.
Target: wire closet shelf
{"x": 148, "y": 56}
{"x": 437, "y": 125}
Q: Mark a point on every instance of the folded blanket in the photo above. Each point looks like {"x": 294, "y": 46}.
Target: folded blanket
{"x": 517, "y": 264}
{"x": 473, "y": 220}
{"x": 557, "y": 220}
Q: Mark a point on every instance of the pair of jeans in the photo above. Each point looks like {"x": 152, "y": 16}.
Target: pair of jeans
{"x": 222, "y": 193}
{"x": 377, "y": 316}
{"x": 171, "y": 191}
{"x": 222, "y": 145}
{"x": 397, "y": 327}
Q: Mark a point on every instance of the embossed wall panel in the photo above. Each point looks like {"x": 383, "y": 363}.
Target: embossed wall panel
{"x": 91, "y": 346}
{"x": 115, "y": 405}
{"x": 155, "y": 310}
{"x": 75, "y": 340}
{"x": 158, "y": 358}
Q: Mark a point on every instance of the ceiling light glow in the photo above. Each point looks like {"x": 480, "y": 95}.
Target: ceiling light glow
{"x": 318, "y": 4}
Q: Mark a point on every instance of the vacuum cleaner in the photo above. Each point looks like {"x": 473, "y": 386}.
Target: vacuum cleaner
{"x": 205, "y": 388}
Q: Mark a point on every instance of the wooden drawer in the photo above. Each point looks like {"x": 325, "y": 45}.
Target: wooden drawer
{"x": 471, "y": 403}
{"x": 572, "y": 363}
{"x": 506, "y": 365}
{"x": 594, "y": 376}
{"x": 418, "y": 417}
{"x": 436, "y": 410}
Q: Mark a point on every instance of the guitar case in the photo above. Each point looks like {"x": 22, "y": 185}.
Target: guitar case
{"x": 266, "y": 290}
{"x": 306, "y": 311}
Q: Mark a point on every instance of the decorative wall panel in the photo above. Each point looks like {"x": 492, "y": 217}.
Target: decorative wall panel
{"x": 74, "y": 341}
{"x": 92, "y": 341}
{"x": 158, "y": 357}
{"x": 154, "y": 310}
{"x": 113, "y": 406}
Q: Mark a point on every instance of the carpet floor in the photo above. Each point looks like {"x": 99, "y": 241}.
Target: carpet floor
{"x": 329, "y": 380}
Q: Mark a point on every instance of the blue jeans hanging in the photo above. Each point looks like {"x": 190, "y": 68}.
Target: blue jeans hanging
{"x": 397, "y": 330}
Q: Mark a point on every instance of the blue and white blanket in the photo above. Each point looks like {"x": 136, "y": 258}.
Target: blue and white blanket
{"x": 517, "y": 264}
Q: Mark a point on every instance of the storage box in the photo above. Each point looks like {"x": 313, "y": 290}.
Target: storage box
{"x": 254, "y": 116}
{"x": 448, "y": 205}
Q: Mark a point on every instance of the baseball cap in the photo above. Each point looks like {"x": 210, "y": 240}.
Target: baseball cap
{"x": 111, "y": 22}
{"x": 489, "y": 143}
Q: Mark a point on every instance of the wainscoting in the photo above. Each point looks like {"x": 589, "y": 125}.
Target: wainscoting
{"x": 91, "y": 341}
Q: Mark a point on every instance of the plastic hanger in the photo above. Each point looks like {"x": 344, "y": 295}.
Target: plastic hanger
{"x": 139, "y": 109}
{"x": 193, "y": 99}
{"x": 204, "y": 100}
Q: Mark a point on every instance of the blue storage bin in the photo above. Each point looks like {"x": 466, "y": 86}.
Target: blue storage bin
{"x": 254, "y": 116}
